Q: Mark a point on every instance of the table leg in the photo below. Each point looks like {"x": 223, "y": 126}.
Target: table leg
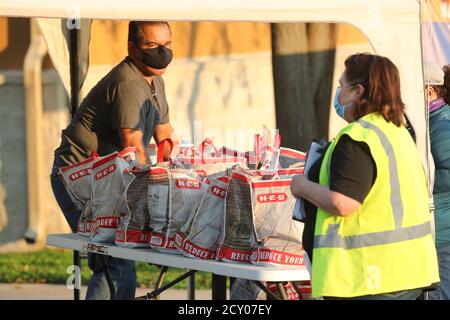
{"x": 269, "y": 294}
{"x": 282, "y": 291}
{"x": 219, "y": 287}
{"x": 161, "y": 277}
{"x": 191, "y": 287}
{"x": 77, "y": 263}
{"x": 157, "y": 292}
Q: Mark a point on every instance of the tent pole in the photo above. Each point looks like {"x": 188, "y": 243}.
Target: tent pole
{"x": 74, "y": 92}
{"x": 74, "y": 88}
{"x": 34, "y": 113}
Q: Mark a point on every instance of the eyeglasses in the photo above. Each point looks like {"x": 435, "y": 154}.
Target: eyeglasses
{"x": 343, "y": 88}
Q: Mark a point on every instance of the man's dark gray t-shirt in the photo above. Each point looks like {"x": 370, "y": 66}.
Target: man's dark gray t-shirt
{"x": 122, "y": 99}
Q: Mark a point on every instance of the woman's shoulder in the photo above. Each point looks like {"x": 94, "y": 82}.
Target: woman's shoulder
{"x": 440, "y": 119}
{"x": 440, "y": 114}
{"x": 347, "y": 144}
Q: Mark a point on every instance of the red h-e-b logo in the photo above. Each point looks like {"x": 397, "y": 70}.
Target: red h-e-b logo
{"x": 79, "y": 174}
{"x": 272, "y": 197}
{"x": 101, "y": 174}
{"x": 188, "y": 184}
{"x": 219, "y": 192}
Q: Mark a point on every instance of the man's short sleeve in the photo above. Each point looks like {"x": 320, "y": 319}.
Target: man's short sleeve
{"x": 127, "y": 105}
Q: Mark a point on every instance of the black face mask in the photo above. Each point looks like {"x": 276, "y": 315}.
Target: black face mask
{"x": 157, "y": 58}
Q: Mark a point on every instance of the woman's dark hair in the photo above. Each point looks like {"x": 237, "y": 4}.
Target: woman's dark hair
{"x": 381, "y": 81}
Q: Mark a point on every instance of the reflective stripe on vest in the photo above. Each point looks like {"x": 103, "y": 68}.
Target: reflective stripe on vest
{"x": 333, "y": 240}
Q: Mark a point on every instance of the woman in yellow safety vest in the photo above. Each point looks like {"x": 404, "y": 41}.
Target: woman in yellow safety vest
{"x": 369, "y": 233}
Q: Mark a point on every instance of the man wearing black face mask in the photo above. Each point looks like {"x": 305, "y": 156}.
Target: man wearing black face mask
{"x": 124, "y": 109}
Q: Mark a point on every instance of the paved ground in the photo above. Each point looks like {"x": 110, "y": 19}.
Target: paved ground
{"x": 61, "y": 292}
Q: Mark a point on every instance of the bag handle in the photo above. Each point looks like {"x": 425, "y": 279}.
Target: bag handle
{"x": 207, "y": 142}
{"x": 161, "y": 146}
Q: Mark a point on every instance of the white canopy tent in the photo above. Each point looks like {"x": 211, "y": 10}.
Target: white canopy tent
{"x": 56, "y": 33}
{"x": 392, "y": 27}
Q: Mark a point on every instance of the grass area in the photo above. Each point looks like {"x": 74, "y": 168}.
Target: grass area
{"x": 50, "y": 266}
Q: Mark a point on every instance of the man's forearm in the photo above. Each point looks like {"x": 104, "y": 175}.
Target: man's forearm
{"x": 142, "y": 157}
{"x": 133, "y": 138}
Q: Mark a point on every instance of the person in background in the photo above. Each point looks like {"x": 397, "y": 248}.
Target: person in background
{"x": 124, "y": 109}
{"x": 370, "y": 233}
{"x": 437, "y": 92}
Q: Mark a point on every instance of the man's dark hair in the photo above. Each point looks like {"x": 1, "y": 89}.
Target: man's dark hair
{"x": 135, "y": 31}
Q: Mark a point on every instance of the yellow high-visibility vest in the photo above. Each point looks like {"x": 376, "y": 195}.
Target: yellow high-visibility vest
{"x": 386, "y": 245}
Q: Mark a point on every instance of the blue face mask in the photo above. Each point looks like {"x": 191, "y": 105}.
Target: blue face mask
{"x": 340, "y": 109}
